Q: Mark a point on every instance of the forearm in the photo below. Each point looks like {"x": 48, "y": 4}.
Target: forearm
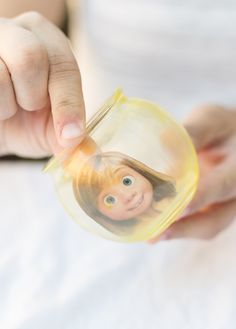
{"x": 53, "y": 10}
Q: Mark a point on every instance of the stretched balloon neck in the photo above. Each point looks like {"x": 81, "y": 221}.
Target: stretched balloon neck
{"x": 84, "y": 151}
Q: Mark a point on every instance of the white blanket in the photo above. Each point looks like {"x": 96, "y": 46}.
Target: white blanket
{"x": 55, "y": 275}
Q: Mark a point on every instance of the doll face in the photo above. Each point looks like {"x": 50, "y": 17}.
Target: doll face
{"x": 129, "y": 196}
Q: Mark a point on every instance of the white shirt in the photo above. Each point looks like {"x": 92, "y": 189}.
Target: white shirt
{"x": 176, "y": 53}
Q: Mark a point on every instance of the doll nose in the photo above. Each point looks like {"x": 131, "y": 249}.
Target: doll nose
{"x": 129, "y": 197}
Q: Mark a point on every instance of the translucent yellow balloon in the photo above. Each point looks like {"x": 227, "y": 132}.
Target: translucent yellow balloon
{"x": 133, "y": 174}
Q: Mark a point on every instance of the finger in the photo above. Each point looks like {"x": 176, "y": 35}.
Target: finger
{"x": 8, "y": 106}
{"x": 216, "y": 186}
{"x": 64, "y": 80}
{"x": 51, "y": 137}
{"x": 205, "y": 225}
{"x": 27, "y": 62}
{"x": 209, "y": 124}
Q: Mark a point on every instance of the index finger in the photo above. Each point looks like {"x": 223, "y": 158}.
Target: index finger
{"x": 64, "y": 83}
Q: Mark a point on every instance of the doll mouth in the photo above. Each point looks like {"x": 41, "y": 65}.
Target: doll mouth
{"x": 137, "y": 203}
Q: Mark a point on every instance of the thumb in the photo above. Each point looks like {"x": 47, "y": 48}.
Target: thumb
{"x": 205, "y": 225}
{"x": 219, "y": 185}
{"x": 208, "y": 125}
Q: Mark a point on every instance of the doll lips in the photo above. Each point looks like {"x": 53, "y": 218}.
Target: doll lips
{"x": 137, "y": 203}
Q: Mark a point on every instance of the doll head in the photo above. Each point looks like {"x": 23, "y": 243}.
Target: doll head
{"x": 117, "y": 191}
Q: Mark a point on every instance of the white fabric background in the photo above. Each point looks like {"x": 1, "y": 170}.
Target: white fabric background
{"x": 53, "y": 274}
{"x": 177, "y": 53}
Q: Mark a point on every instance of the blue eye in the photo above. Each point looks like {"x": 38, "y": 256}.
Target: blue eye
{"x": 128, "y": 180}
{"x": 110, "y": 200}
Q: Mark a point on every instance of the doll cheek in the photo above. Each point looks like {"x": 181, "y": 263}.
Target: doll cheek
{"x": 105, "y": 210}
{"x": 102, "y": 206}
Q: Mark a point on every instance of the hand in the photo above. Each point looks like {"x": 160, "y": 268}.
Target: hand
{"x": 41, "y": 101}
{"x": 213, "y": 131}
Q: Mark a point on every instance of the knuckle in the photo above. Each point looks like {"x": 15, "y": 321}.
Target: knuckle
{"x": 225, "y": 187}
{"x": 213, "y": 110}
{"x": 31, "y": 57}
{"x": 62, "y": 66}
{"x": 67, "y": 106}
{"x": 33, "y": 17}
{"x": 208, "y": 110}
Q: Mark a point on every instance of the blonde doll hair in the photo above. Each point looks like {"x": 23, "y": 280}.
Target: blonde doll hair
{"x": 98, "y": 172}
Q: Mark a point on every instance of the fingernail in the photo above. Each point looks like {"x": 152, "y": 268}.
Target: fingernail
{"x": 71, "y": 130}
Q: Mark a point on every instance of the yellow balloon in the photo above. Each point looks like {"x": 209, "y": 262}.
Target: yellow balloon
{"x": 133, "y": 174}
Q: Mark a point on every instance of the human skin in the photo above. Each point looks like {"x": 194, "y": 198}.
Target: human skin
{"x": 213, "y": 131}
{"x": 129, "y": 196}
{"x": 41, "y": 101}
{"x": 55, "y": 12}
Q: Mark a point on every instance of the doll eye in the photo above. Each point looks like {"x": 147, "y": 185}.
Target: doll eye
{"x": 110, "y": 200}
{"x": 128, "y": 180}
